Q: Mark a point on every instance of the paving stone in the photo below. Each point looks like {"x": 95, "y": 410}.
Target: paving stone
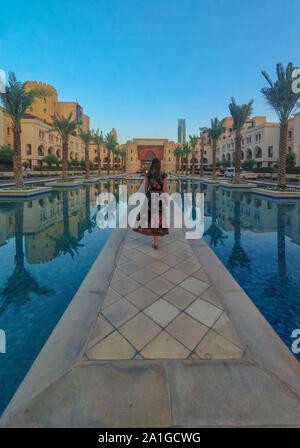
{"x": 139, "y": 330}
{"x": 203, "y": 311}
{"x": 125, "y": 286}
{"x": 174, "y": 276}
{"x": 159, "y": 285}
{"x": 162, "y": 312}
{"x": 117, "y": 275}
{"x": 194, "y": 285}
{"x": 211, "y": 296}
{"x": 142, "y": 297}
{"x": 201, "y": 275}
{"x": 164, "y": 346}
{"x": 158, "y": 266}
{"x": 119, "y": 312}
{"x": 101, "y": 329}
{"x": 187, "y": 267}
{"x": 143, "y": 276}
{"x": 224, "y": 327}
{"x": 129, "y": 268}
{"x": 186, "y": 330}
{"x": 173, "y": 260}
{"x": 114, "y": 346}
{"x": 111, "y": 297}
{"x": 179, "y": 297}
{"x": 214, "y": 346}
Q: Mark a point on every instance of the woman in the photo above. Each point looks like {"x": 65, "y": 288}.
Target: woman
{"x": 155, "y": 182}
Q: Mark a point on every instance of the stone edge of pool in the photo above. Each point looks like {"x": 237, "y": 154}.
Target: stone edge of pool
{"x": 268, "y": 370}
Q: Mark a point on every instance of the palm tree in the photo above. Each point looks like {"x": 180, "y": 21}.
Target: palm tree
{"x": 239, "y": 114}
{"x": 123, "y": 157}
{"x": 193, "y": 143}
{"x": 65, "y": 127}
{"x": 215, "y": 233}
{"x": 214, "y": 133}
{"x": 202, "y": 139}
{"x": 185, "y": 152}
{"x": 98, "y": 140}
{"x": 111, "y": 144}
{"x": 15, "y": 101}
{"x": 116, "y": 154}
{"x": 177, "y": 153}
{"x": 284, "y": 101}
{"x": 87, "y": 138}
{"x": 238, "y": 258}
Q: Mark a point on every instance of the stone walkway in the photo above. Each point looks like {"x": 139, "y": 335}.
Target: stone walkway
{"x": 161, "y": 304}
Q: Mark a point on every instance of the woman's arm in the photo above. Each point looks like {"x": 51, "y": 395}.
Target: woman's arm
{"x": 165, "y": 190}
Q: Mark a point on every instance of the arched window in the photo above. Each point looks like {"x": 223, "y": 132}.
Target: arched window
{"x": 258, "y": 152}
{"x": 41, "y": 150}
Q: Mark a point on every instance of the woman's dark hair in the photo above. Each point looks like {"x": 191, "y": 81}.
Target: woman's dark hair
{"x": 155, "y": 171}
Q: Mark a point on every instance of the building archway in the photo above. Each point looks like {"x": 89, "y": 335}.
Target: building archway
{"x": 58, "y": 153}
{"x": 249, "y": 153}
{"x": 41, "y": 150}
{"x": 258, "y": 152}
{"x": 51, "y": 150}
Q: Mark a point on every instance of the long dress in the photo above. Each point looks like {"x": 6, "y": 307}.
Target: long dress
{"x": 161, "y": 229}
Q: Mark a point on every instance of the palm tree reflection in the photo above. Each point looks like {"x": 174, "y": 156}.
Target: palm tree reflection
{"x": 238, "y": 257}
{"x": 215, "y": 233}
{"x": 21, "y": 284}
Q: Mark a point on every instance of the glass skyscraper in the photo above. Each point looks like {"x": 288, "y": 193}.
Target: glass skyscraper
{"x": 181, "y": 130}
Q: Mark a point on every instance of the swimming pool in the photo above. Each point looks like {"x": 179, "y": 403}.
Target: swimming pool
{"x": 258, "y": 240}
{"x": 47, "y": 246}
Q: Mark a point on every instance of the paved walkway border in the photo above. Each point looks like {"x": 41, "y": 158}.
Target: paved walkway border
{"x": 63, "y": 389}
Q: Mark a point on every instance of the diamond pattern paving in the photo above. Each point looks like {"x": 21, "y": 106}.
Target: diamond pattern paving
{"x": 161, "y": 304}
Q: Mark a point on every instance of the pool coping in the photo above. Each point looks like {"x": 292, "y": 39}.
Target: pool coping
{"x": 64, "y": 350}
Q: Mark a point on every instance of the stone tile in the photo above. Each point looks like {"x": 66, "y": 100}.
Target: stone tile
{"x": 173, "y": 260}
{"x": 186, "y": 330}
{"x": 174, "y": 276}
{"x": 184, "y": 252}
{"x": 193, "y": 259}
{"x": 122, "y": 259}
{"x": 125, "y": 286}
{"x": 224, "y": 327}
{"x": 162, "y": 312}
{"x": 130, "y": 267}
{"x": 164, "y": 346}
{"x": 138, "y": 356}
{"x": 203, "y": 311}
{"x": 117, "y": 275}
{"x": 143, "y": 276}
{"x": 158, "y": 266}
{"x": 118, "y": 313}
{"x": 187, "y": 267}
{"x": 145, "y": 248}
{"x": 129, "y": 253}
{"x": 101, "y": 329}
{"x": 142, "y": 297}
{"x": 157, "y": 253}
{"x": 159, "y": 285}
{"x": 201, "y": 275}
{"x": 194, "y": 356}
{"x": 211, "y": 296}
{"x": 110, "y": 298}
{"x": 143, "y": 260}
{"x": 214, "y": 346}
{"x": 139, "y": 330}
{"x": 113, "y": 346}
{"x": 179, "y": 297}
{"x": 194, "y": 285}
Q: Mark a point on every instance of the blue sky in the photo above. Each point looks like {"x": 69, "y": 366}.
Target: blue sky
{"x": 139, "y": 65}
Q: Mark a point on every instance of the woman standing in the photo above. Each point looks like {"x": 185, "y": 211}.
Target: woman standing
{"x": 155, "y": 182}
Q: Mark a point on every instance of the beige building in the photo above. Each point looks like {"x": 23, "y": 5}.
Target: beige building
{"x": 1, "y": 127}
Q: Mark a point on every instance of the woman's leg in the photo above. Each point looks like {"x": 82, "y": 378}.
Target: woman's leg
{"x": 155, "y": 240}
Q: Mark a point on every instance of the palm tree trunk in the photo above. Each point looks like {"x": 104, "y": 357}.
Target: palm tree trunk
{"x": 186, "y": 165}
{"x": 99, "y": 162}
{"x": 108, "y": 162}
{"x": 237, "y": 160}
{"x": 214, "y": 151}
{"x": 65, "y": 150}
{"x": 114, "y": 166}
{"x": 281, "y": 182}
{"x": 87, "y": 162}
{"x": 193, "y": 164}
{"x": 17, "y": 159}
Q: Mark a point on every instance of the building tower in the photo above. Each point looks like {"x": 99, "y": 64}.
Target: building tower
{"x": 181, "y": 130}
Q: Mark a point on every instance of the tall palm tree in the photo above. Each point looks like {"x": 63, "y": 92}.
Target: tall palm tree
{"x": 239, "y": 114}
{"x": 116, "y": 154}
{"x": 284, "y": 101}
{"x": 193, "y": 143}
{"x": 186, "y": 152}
{"x": 238, "y": 257}
{"x": 202, "y": 141}
{"x": 98, "y": 140}
{"x": 214, "y": 133}
{"x": 177, "y": 154}
{"x": 65, "y": 127}
{"x": 111, "y": 144}
{"x": 15, "y": 101}
{"x": 87, "y": 138}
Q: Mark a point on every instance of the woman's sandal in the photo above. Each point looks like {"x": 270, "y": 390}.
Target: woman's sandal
{"x": 155, "y": 246}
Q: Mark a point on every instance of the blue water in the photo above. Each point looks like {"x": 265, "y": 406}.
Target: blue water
{"x": 47, "y": 246}
{"x": 258, "y": 240}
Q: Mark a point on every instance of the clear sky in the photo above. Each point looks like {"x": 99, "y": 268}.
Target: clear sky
{"x": 139, "y": 65}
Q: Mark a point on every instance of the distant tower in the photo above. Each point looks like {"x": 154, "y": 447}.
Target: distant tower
{"x": 114, "y": 133}
{"x": 181, "y": 130}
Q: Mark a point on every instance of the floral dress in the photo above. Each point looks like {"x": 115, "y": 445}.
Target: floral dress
{"x": 160, "y": 228}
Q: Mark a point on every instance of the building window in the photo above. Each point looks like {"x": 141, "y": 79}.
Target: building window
{"x": 270, "y": 151}
{"x": 289, "y": 149}
{"x": 45, "y": 110}
{"x": 44, "y": 100}
{"x": 8, "y": 131}
{"x": 28, "y": 150}
{"x": 290, "y": 134}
